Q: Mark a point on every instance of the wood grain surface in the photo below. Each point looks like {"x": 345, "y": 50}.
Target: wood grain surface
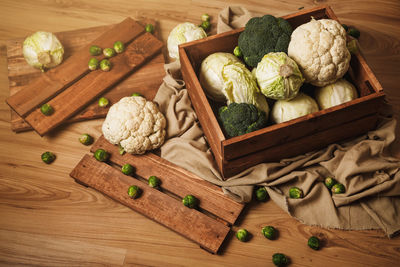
{"x": 46, "y": 219}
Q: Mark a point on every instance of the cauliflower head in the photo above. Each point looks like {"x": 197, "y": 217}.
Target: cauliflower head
{"x": 319, "y": 48}
{"x": 135, "y": 124}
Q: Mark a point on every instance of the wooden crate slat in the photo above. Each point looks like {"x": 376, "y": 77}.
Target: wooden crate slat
{"x": 79, "y": 94}
{"x": 57, "y": 79}
{"x": 176, "y": 180}
{"x": 190, "y": 223}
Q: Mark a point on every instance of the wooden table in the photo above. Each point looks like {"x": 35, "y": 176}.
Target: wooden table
{"x": 48, "y": 219}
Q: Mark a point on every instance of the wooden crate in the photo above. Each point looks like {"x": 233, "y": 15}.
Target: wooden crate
{"x": 208, "y": 225}
{"x": 289, "y": 138}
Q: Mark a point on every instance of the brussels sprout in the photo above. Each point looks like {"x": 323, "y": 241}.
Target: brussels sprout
{"x": 48, "y": 157}
{"x": 352, "y": 46}
{"x": 101, "y": 155}
{"x": 280, "y": 259}
{"x": 103, "y": 102}
{"x": 154, "y": 182}
{"x": 190, "y": 201}
{"x": 338, "y": 189}
{"x": 313, "y": 242}
{"x": 136, "y": 94}
{"x": 206, "y": 25}
{"x": 261, "y": 194}
{"x": 242, "y": 235}
{"x": 354, "y": 32}
{"x": 86, "y": 139}
{"x": 345, "y": 27}
{"x": 95, "y": 50}
{"x": 109, "y": 52}
{"x": 127, "y": 169}
{"x": 121, "y": 150}
{"x": 295, "y": 192}
{"x": 93, "y": 63}
{"x": 149, "y": 28}
{"x": 105, "y": 65}
{"x": 205, "y": 17}
{"x": 119, "y": 47}
{"x": 269, "y": 232}
{"x": 237, "y": 52}
{"x": 329, "y": 182}
{"x": 134, "y": 191}
{"x": 46, "y": 109}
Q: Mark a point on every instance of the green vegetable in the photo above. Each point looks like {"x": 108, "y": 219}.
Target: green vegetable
{"x": 269, "y": 232}
{"x": 353, "y": 32}
{"x": 134, "y": 191}
{"x": 263, "y": 35}
{"x": 261, "y": 194}
{"x": 280, "y": 259}
{"x": 241, "y": 118}
{"x": 352, "y": 46}
{"x": 335, "y": 94}
{"x": 127, "y": 169}
{"x": 42, "y": 50}
{"x": 345, "y": 27}
{"x": 101, "y": 155}
{"x": 95, "y": 50}
{"x": 119, "y": 47}
{"x": 103, "y": 102}
{"x": 313, "y": 242}
{"x": 121, "y": 150}
{"x": 205, "y": 17}
{"x": 46, "y": 109}
{"x": 295, "y": 192}
{"x": 86, "y": 139}
{"x": 154, "y": 182}
{"x": 278, "y": 76}
{"x": 109, "y": 52}
{"x": 93, "y": 63}
{"x": 330, "y": 182}
{"x": 237, "y": 52}
{"x": 242, "y": 235}
{"x": 105, "y": 65}
{"x": 190, "y": 201}
{"x": 149, "y": 28}
{"x": 206, "y": 25}
{"x": 136, "y": 94}
{"x": 338, "y": 189}
{"x": 48, "y": 157}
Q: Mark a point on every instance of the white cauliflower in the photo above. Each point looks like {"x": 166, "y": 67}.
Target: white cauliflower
{"x": 319, "y": 48}
{"x": 135, "y": 124}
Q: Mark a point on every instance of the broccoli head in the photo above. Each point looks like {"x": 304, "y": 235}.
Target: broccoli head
{"x": 241, "y": 118}
{"x": 263, "y": 35}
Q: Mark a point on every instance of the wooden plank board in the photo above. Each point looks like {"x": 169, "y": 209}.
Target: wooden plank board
{"x": 176, "y": 180}
{"x": 190, "y": 223}
{"x": 79, "y": 94}
{"x": 145, "y": 80}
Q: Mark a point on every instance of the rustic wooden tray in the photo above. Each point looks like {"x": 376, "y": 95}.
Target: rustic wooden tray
{"x": 24, "y": 77}
{"x": 286, "y": 139}
{"x": 208, "y": 226}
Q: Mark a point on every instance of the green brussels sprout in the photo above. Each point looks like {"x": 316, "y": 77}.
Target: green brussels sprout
{"x": 280, "y": 259}
{"x": 352, "y": 46}
{"x": 242, "y": 235}
{"x": 86, "y": 139}
{"x": 119, "y": 47}
{"x": 338, "y": 189}
{"x": 205, "y": 17}
{"x": 354, "y": 32}
{"x": 237, "y": 52}
{"x": 329, "y": 182}
{"x": 105, "y": 65}
{"x": 46, "y": 109}
{"x": 103, "y": 102}
{"x": 121, "y": 150}
{"x": 136, "y": 94}
{"x": 190, "y": 201}
{"x": 313, "y": 242}
{"x": 269, "y": 232}
{"x": 154, "y": 181}
{"x": 127, "y": 169}
{"x": 95, "y": 50}
{"x": 93, "y": 63}
{"x": 149, "y": 28}
{"x": 295, "y": 192}
{"x": 101, "y": 155}
{"x": 206, "y": 25}
{"x": 261, "y": 194}
{"x": 109, "y": 52}
{"x": 134, "y": 191}
{"x": 345, "y": 27}
{"x": 48, "y": 157}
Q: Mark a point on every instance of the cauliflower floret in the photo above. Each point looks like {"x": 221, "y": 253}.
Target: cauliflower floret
{"x": 136, "y": 124}
{"x": 319, "y": 48}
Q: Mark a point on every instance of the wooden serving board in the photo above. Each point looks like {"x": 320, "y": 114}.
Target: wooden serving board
{"x": 144, "y": 80}
{"x": 208, "y": 226}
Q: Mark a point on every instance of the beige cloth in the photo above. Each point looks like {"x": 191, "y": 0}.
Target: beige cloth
{"x": 371, "y": 178}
